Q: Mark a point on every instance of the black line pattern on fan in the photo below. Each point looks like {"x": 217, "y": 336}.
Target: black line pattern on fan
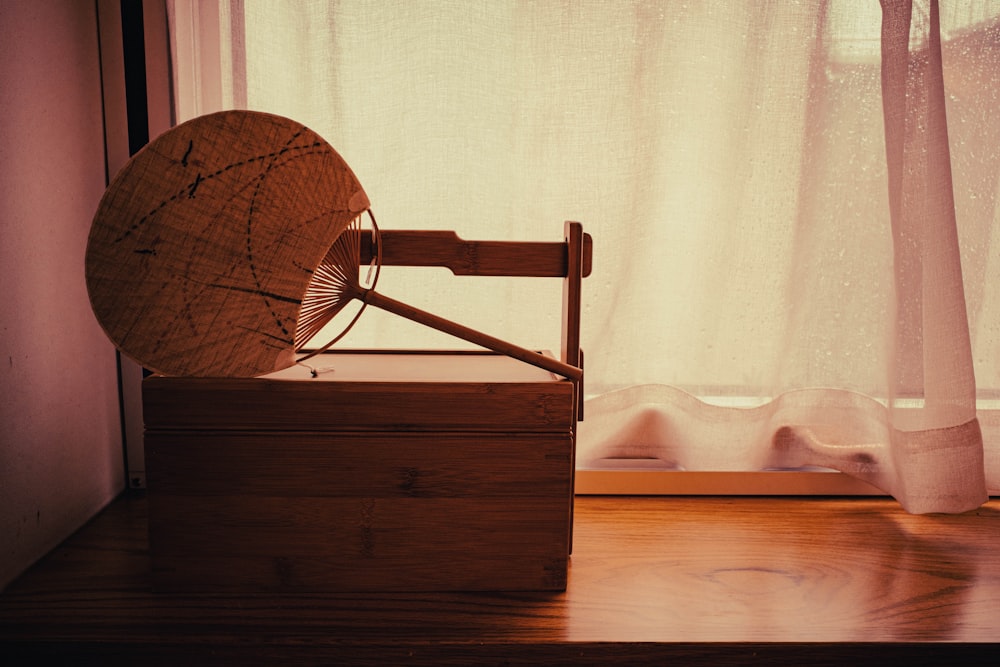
{"x": 192, "y": 296}
{"x": 187, "y": 191}
{"x": 261, "y": 178}
{"x": 277, "y": 158}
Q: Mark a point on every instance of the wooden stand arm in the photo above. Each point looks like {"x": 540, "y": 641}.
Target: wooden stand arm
{"x": 570, "y": 259}
{"x": 474, "y": 258}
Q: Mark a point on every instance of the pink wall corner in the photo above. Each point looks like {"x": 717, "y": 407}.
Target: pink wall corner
{"x": 60, "y": 435}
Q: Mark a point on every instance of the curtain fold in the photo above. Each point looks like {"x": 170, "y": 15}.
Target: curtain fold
{"x": 793, "y": 208}
{"x": 937, "y": 449}
{"x": 912, "y": 429}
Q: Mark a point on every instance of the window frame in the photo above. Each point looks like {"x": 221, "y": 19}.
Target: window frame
{"x": 203, "y": 78}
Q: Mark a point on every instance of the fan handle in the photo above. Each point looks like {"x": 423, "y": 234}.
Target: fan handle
{"x": 395, "y": 307}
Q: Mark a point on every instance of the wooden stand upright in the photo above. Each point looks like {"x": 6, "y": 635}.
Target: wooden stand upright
{"x": 400, "y": 471}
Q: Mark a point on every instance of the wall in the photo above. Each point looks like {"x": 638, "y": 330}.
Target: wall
{"x": 60, "y": 436}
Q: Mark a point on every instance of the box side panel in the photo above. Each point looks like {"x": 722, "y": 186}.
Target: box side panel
{"x": 403, "y": 465}
{"x": 255, "y": 403}
{"x": 265, "y": 544}
{"x": 355, "y": 511}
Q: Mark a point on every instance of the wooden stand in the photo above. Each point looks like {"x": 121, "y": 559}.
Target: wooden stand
{"x": 393, "y": 472}
{"x": 397, "y": 471}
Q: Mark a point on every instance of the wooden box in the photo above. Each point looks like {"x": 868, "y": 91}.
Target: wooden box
{"x": 390, "y": 472}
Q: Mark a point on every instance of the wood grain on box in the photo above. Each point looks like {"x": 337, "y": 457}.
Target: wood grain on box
{"x": 345, "y": 483}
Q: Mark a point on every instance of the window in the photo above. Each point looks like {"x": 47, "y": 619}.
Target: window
{"x": 730, "y": 162}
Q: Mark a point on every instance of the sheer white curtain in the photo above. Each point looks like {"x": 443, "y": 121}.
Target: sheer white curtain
{"x": 793, "y": 206}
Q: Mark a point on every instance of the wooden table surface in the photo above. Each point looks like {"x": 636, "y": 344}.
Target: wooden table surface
{"x": 704, "y": 580}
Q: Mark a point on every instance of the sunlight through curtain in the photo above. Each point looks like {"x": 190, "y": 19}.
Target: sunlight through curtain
{"x": 784, "y": 197}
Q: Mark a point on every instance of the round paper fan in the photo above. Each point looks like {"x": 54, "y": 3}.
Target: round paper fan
{"x": 204, "y": 245}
